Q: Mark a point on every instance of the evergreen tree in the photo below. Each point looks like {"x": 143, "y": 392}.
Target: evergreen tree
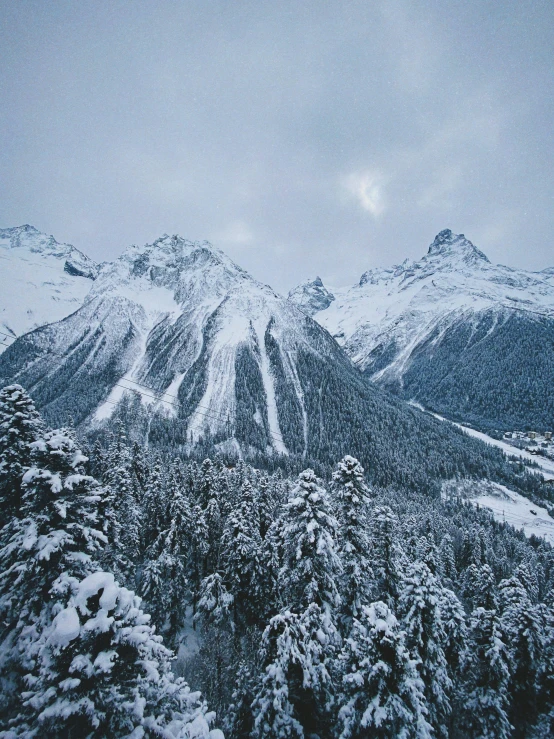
{"x": 447, "y": 561}
{"x": 293, "y": 692}
{"x": 522, "y": 632}
{"x": 56, "y": 540}
{"x": 419, "y": 606}
{"x": 20, "y": 424}
{"x": 382, "y": 693}
{"x": 455, "y": 630}
{"x": 385, "y": 555}
{"x": 242, "y": 543}
{"x": 155, "y": 505}
{"x": 122, "y": 523}
{"x": 351, "y": 502}
{"x": 311, "y": 564}
{"x": 215, "y": 665}
{"x": 271, "y": 560}
{"x": 104, "y": 672}
{"x": 545, "y": 726}
{"x": 483, "y": 707}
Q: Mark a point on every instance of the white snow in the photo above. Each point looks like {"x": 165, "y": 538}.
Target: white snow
{"x": 91, "y": 585}
{"x": 65, "y": 627}
{"x": 546, "y": 466}
{"x": 506, "y": 505}
{"x": 401, "y": 306}
{"x": 269, "y": 387}
{"x": 34, "y": 287}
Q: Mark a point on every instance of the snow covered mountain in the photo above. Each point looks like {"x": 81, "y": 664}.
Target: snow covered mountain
{"x": 452, "y": 331}
{"x": 193, "y": 333}
{"x": 187, "y": 348}
{"x": 41, "y": 281}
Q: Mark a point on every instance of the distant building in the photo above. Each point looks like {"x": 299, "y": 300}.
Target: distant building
{"x": 532, "y": 434}
{"x": 548, "y": 435}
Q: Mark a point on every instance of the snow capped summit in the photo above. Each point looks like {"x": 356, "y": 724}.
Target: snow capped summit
{"x": 40, "y": 280}
{"x": 311, "y": 296}
{"x": 194, "y": 334}
{"x": 394, "y": 317}
{"x": 447, "y": 244}
{"x": 187, "y": 348}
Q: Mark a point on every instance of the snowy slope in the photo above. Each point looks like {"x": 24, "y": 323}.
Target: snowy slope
{"x": 179, "y": 319}
{"x": 186, "y": 348}
{"x": 420, "y": 317}
{"x": 545, "y": 465}
{"x": 41, "y": 281}
{"x": 506, "y": 506}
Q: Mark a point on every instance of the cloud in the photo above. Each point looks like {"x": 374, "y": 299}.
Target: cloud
{"x": 236, "y": 232}
{"x": 366, "y": 187}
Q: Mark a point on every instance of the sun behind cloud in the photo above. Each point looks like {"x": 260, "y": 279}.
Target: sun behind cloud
{"x": 367, "y": 188}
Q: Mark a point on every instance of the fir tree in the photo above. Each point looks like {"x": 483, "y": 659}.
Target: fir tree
{"x": 385, "y": 555}
{"x": 545, "y": 726}
{"x": 293, "y": 693}
{"x": 242, "y": 542}
{"x": 419, "y": 606}
{"x": 311, "y": 563}
{"x": 155, "y": 504}
{"x": 455, "y": 630}
{"x": 215, "y": 663}
{"x": 56, "y": 540}
{"x": 20, "y": 424}
{"x": 351, "y": 502}
{"x": 447, "y": 561}
{"x": 382, "y": 694}
{"x": 522, "y": 632}
{"x": 104, "y": 672}
{"x": 484, "y": 699}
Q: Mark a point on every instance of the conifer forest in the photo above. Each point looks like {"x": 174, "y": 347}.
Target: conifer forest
{"x": 149, "y": 596}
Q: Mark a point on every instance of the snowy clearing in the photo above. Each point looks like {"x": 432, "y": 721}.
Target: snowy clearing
{"x": 506, "y": 506}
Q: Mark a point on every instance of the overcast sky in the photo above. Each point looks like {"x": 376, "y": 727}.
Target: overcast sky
{"x": 302, "y": 138}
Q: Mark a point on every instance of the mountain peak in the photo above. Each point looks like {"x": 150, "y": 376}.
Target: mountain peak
{"x": 447, "y": 243}
{"x": 311, "y": 296}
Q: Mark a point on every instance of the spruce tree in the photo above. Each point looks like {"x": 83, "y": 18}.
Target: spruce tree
{"x": 218, "y": 651}
{"x": 104, "y": 672}
{"x": 123, "y": 520}
{"x": 545, "y": 725}
{"x": 155, "y": 504}
{"x": 522, "y": 632}
{"x": 241, "y": 557}
{"x": 382, "y": 693}
{"x": 293, "y": 692}
{"x": 56, "y": 540}
{"x": 385, "y": 555}
{"x": 419, "y": 607}
{"x": 484, "y": 701}
{"x": 20, "y": 424}
{"x": 311, "y": 564}
{"x": 351, "y": 504}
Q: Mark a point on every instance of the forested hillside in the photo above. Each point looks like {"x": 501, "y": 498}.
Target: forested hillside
{"x": 299, "y": 607}
{"x": 467, "y": 338}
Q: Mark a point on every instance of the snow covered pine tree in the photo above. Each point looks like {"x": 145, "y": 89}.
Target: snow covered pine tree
{"x": 79, "y": 657}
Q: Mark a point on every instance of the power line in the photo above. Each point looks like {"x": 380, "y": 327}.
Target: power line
{"x": 212, "y": 414}
{"x": 169, "y": 395}
{"x": 159, "y": 397}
